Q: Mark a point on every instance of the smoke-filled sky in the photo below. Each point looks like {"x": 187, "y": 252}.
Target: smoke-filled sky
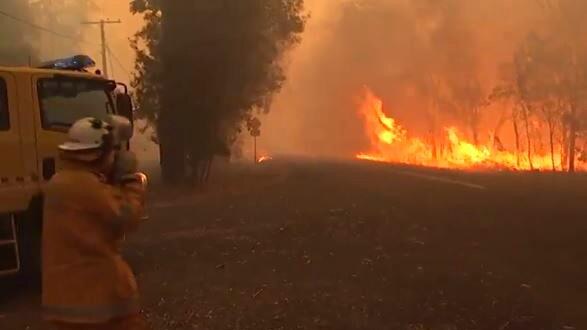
{"x": 71, "y": 16}
{"x": 396, "y": 47}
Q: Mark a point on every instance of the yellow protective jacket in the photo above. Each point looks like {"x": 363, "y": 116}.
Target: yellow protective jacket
{"x": 85, "y": 279}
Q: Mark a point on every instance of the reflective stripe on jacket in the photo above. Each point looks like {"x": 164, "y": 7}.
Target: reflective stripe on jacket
{"x": 85, "y": 279}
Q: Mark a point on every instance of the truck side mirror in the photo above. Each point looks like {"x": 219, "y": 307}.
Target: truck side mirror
{"x": 124, "y": 106}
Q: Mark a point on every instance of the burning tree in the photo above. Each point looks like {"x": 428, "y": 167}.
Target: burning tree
{"x": 203, "y": 68}
{"x": 548, "y": 83}
{"x": 468, "y": 101}
{"x": 565, "y": 53}
{"x": 513, "y": 91}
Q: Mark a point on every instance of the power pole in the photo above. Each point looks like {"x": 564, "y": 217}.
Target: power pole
{"x": 102, "y": 24}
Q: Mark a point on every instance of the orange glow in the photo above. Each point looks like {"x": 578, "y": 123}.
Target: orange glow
{"x": 390, "y": 142}
{"x": 264, "y": 159}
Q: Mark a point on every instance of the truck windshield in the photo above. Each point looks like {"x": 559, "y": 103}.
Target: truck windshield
{"x": 64, "y": 101}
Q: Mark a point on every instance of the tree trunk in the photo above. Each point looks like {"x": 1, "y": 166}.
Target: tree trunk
{"x": 572, "y": 146}
{"x": 517, "y": 134}
{"x": 432, "y": 114}
{"x": 434, "y": 146}
{"x": 528, "y": 138}
{"x": 172, "y": 164}
{"x": 171, "y": 151}
{"x": 171, "y": 126}
{"x": 564, "y": 147}
{"x": 551, "y": 136}
{"x": 474, "y": 126}
{"x": 475, "y": 136}
{"x": 572, "y": 138}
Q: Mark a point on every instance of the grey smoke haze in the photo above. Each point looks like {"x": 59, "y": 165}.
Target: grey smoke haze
{"x": 396, "y": 47}
{"x": 22, "y": 43}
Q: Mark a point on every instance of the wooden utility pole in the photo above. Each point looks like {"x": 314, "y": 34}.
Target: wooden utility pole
{"x": 102, "y": 24}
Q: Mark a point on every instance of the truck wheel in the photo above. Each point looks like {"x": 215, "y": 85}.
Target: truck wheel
{"x": 29, "y": 227}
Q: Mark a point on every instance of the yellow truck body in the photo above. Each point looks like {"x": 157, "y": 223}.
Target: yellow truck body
{"x": 37, "y": 106}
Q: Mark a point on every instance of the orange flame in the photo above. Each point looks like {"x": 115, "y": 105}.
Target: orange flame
{"x": 264, "y": 159}
{"x": 390, "y": 142}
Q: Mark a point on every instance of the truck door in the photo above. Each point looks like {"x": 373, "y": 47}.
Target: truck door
{"x": 12, "y": 170}
{"x": 60, "y": 102}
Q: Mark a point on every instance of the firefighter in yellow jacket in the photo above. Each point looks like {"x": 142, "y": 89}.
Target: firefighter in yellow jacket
{"x": 89, "y": 208}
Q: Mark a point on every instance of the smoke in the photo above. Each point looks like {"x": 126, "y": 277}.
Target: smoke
{"x": 401, "y": 49}
{"x": 71, "y": 36}
{"x": 16, "y": 44}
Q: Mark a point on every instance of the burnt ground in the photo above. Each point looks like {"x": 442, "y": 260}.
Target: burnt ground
{"x": 302, "y": 244}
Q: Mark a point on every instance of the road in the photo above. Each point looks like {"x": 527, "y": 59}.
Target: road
{"x": 307, "y": 244}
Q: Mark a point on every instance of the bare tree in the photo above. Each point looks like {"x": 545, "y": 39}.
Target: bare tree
{"x": 564, "y": 52}
{"x": 551, "y": 115}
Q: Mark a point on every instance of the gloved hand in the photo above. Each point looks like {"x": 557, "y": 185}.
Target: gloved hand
{"x": 136, "y": 178}
{"x": 137, "y": 182}
{"x": 122, "y": 129}
{"x": 125, "y": 164}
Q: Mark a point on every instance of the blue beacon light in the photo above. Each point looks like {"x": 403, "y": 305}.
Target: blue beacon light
{"x": 76, "y": 63}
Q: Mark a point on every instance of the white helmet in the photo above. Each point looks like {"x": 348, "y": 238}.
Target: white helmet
{"x": 87, "y": 134}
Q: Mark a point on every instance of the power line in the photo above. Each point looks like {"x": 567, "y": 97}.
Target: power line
{"x": 38, "y": 27}
{"x": 69, "y": 37}
{"x": 118, "y": 61}
{"x": 46, "y": 30}
{"x": 102, "y": 23}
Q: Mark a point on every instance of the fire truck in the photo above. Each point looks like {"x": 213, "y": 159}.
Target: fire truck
{"x": 37, "y": 107}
